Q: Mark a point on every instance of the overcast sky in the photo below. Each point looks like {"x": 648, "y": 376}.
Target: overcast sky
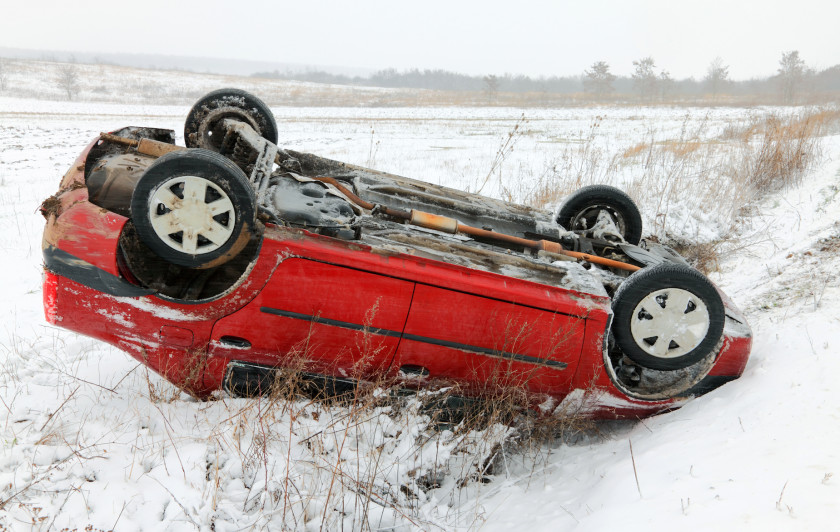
{"x": 476, "y": 37}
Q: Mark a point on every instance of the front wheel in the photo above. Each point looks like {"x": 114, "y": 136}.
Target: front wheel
{"x": 194, "y": 208}
{"x": 667, "y": 317}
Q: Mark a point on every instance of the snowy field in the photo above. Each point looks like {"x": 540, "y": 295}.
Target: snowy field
{"x": 91, "y": 441}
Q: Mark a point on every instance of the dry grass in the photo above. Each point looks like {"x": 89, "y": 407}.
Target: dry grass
{"x": 371, "y": 458}
{"x": 778, "y": 151}
{"x": 374, "y": 456}
{"x": 678, "y": 148}
{"x": 637, "y": 150}
{"x": 705, "y": 256}
{"x": 682, "y": 183}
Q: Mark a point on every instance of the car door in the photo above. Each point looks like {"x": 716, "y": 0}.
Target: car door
{"x": 320, "y": 317}
{"x": 487, "y": 344}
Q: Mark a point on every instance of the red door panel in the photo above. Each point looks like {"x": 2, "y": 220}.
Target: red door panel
{"x": 486, "y": 344}
{"x": 325, "y": 318}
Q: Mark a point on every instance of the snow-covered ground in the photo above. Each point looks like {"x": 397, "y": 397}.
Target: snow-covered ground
{"x": 90, "y": 439}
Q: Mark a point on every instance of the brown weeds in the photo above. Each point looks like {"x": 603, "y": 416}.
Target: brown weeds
{"x": 704, "y": 256}
{"x": 319, "y": 460}
{"x": 697, "y": 176}
{"x": 779, "y": 150}
{"x": 636, "y": 150}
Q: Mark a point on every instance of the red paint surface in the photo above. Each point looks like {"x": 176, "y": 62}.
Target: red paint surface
{"x": 325, "y": 291}
{"x": 337, "y": 280}
{"x": 477, "y": 319}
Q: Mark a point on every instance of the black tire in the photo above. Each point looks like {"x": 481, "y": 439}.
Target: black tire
{"x": 660, "y": 307}
{"x": 581, "y": 208}
{"x": 205, "y": 232}
{"x": 203, "y": 128}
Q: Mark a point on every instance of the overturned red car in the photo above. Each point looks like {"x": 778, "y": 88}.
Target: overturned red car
{"x": 224, "y": 263}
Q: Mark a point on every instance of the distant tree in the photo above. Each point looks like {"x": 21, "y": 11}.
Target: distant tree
{"x": 666, "y": 85}
{"x": 644, "y": 78}
{"x": 491, "y": 86}
{"x": 791, "y": 73}
{"x": 829, "y": 79}
{"x": 4, "y": 74}
{"x": 599, "y": 80}
{"x": 386, "y": 78}
{"x": 68, "y": 79}
{"x": 717, "y": 76}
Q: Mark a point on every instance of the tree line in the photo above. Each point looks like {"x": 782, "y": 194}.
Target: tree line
{"x": 791, "y": 82}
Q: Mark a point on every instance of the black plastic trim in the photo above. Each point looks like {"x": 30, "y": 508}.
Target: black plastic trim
{"x": 709, "y": 383}
{"x": 72, "y": 267}
{"x": 245, "y": 379}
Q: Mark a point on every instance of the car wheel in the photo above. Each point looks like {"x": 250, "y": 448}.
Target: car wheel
{"x": 667, "y": 317}
{"x": 204, "y": 129}
{"x": 194, "y": 208}
{"x": 581, "y": 209}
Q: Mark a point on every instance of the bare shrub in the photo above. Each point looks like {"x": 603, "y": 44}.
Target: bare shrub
{"x": 717, "y": 76}
{"x": 68, "y": 80}
{"x": 4, "y": 74}
{"x": 491, "y": 86}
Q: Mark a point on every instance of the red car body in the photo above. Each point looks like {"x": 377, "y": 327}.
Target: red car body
{"x": 347, "y": 310}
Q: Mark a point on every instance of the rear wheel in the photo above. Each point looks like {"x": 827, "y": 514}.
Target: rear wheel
{"x": 581, "y": 209}
{"x": 204, "y": 125}
{"x": 194, "y": 208}
{"x": 667, "y": 317}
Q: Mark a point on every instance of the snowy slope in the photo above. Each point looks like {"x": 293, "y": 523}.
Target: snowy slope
{"x": 91, "y": 439}
{"x": 760, "y": 453}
